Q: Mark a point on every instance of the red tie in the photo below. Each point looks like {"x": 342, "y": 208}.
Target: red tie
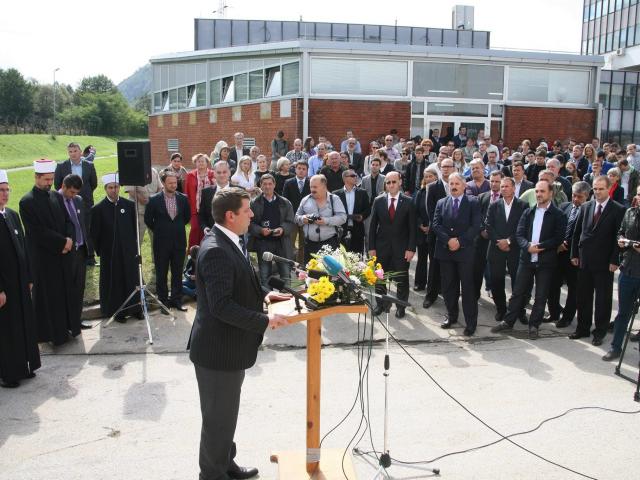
{"x": 596, "y": 217}
{"x": 392, "y": 209}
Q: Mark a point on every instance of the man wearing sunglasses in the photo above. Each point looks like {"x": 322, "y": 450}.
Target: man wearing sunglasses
{"x": 392, "y": 238}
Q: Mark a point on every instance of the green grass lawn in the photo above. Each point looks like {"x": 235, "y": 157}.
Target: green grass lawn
{"x": 22, "y": 149}
{"x": 22, "y": 181}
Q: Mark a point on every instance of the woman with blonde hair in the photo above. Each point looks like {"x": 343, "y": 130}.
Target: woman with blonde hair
{"x": 458, "y": 160}
{"x": 244, "y": 176}
{"x": 283, "y": 173}
{"x": 429, "y": 155}
{"x": 198, "y": 179}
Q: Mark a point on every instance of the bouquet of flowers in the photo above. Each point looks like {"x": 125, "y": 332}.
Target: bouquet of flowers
{"x": 362, "y": 271}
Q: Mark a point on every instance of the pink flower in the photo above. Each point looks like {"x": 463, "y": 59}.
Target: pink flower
{"x": 302, "y": 275}
{"x": 380, "y": 273}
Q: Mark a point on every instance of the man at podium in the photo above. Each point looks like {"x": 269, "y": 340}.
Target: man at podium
{"x": 227, "y": 331}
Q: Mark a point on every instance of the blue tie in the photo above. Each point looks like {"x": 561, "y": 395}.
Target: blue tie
{"x": 455, "y": 207}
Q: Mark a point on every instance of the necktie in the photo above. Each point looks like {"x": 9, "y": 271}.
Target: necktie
{"x": 456, "y": 204}
{"x": 571, "y": 223}
{"x": 392, "y": 209}
{"x": 74, "y": 219}
{"x": 244, "y": 247}
{"x": 596, "y": 217}
{"x": 300, "y": 185}
{"x": 494, "y": 196}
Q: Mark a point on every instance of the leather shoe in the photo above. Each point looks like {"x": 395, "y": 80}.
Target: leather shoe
{"x": 610, "y": 326}
{"x": 418, "y": 288}
{"x": 400, "y": 312}
{"x": 4, "y": 384}
{"x": 378, "y": 310}
{"x": 533, "y": 333}
{"x": 427, "y": 303}
{"x": 448, "y": 323}
{"x": 468, "y": 332}
{"x": 237, "y": 472}
{"x": 562, "y": 323}
{"x": 611, "y": 355}
{"x": 178, "y": 306}
{"x": 501, "y": 327}
{"x": 597, "y": 341}
{"x": 577, "y": 335}
{"x": 524, "y": 320}
{"x": 84, "y": 326}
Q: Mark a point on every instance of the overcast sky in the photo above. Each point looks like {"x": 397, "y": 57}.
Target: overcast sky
{"x": 118, "y": 36}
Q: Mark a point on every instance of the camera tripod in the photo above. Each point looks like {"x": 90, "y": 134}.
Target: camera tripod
{"x": 636, "y": 395}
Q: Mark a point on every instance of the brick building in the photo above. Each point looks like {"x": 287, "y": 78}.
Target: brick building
{"x": 311, "y": 79}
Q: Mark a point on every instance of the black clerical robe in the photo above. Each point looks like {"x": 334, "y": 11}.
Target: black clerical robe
{"x": 19, "y": 355}
{"x": 46, "y": 232}
{"x": 113, "y": 230}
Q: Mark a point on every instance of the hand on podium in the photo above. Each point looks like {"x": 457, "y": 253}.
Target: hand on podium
{"x": 275, "y": 297}
{"x": 276, "y": 321}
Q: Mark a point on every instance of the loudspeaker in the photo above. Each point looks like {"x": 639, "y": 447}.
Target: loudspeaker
{"x": 134, "y": 163}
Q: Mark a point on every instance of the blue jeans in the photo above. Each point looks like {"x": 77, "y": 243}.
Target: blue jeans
{"x": 266, "y": 270}
{"x": 628, "y": 290}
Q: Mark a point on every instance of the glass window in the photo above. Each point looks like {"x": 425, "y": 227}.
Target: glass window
{"x": 629, "y": 97}
{"x": 273, "y": 82}
{"x": 419, "y": 36}
{"x": 165, "y": 101}
{"x": 242, "y": 87}
{"x": 289, "y": 30}
{"x": 240, "y": 32}
{"x": 356, "y": 32}
{"x": 450, "y": 38}
{"x": 227, "y": 90}
{"x": 434, "y": 36}
{"x": 417, "y": 126}
{"x": 215, "y": 91}
{"x": 157, "y": 102}
{"x": 465, "y": 38}
{"x": 308, "y": 30}
{"x": 457, "y": 80}
{"x": 480, "y": 39}
{"x": 201, "y": 94}
{"x": 173, "y": 99}
{"x": 372, "y": 33}
{"x": 387, "y": 34}
{"x": 604, "y": 94}
{"x": 358, "y": 77}
{"x": 627, "y": 127}
{"x": 615, "y": 117}
{"x": 403, "y": 35}
{"x": 616, "y": 96}
{"x": 182, "y": 97}
{"x": 417, "y": 108}
{"x": 222, "y": 33}
{"x": 291, "y": 79}
{"x": 458, "y": 109}
{"x": 323, "y": 31}
{"x": 256, "y": 31}
{"x": 637, "y": 33}
{"x": 256, "y": 82}
{"x": 605, "y": 75}
{"x": 339, "y": 31}
{"x": 204, "y": 33}
{"x": 497, "y": 110}
{"x": 274, "y": 31}
{"x": 546, "y": 85}
{"x": 191, "y": 96}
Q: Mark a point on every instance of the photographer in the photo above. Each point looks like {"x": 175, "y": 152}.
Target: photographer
{"x": 321, "y": 214}
{"x": 629, "y": 278}
{"x": 270, "y": 228}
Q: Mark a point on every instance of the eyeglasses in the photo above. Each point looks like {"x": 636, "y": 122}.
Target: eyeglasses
{"x": 351, "y": 175}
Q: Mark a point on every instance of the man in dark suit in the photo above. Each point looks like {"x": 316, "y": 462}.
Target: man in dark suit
{"x": 227, "y": 330}
{"x": 522, "y": 184}
{"x": 87, "y": 171}
{"x": 73, "y": 206}
{"x": 540, "y": 232}
{"x": 356, "y": 159}
{"x": 392, "y": 237}
{"x": 482, "y": 240}
{"x": 294, "y": 190}
{"x": 460, "y": 139}
{"x": 456, "y": 223}
{"x": 223, "y": 173}
{"x": 237, "y": 151}
{"x": 501, "y": 224}
{"x": 167, "y": 215}
{"x": 356, "y": 204}
{"x": 595, "y": 251}
{"x": 435, "y": 192}
{"x": 567, "y": 272}
{"x": 415, "y": 172}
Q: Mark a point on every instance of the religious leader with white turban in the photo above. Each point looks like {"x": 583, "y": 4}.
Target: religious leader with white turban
{"x": 49, "y": 234}
{"x": 113, "y": 230}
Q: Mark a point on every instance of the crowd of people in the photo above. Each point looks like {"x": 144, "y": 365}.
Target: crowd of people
{"x": 543, "y": 214}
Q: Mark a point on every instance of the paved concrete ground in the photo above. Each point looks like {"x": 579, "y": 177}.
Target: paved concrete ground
{"x": 110, "y": 406}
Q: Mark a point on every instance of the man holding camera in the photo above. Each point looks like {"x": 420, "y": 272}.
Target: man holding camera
{"x": 270, "y": 228}
{"x": 321, "y": 215}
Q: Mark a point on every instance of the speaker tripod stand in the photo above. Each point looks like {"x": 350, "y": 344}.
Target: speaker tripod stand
{"x": 141, "y": 290}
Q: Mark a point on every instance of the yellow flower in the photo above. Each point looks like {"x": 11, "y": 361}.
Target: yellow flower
{"x": 321, "y": 290}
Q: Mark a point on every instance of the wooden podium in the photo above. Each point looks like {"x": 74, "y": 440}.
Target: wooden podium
{"x": 313, "y": 464}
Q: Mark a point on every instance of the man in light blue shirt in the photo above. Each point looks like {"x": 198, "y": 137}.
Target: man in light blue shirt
{"x": 317, "y": 161}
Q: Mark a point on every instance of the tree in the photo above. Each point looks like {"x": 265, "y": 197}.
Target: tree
{"x": 97, "y": 84}
{"x": 16, "y": 97}
{"x": 143, "y": 104}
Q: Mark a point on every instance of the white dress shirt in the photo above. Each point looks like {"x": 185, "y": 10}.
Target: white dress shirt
{"x": 507, "y": 208}
{"x": 389, "y": 197}
{"x": 350, "y": 195}
{"x": 537, "y": 228}
{"x": 232, "y": 236}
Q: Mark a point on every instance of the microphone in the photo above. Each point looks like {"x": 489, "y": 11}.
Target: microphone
{"x": 279, "y": 284}
{"x": 335, "y": 269}
{"x": 268, "y": 257}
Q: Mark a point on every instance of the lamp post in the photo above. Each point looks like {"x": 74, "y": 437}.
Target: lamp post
{"x": 54, "y": 99}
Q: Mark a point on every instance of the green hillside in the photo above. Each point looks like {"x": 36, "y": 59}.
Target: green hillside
{"x": 20, "y": 150}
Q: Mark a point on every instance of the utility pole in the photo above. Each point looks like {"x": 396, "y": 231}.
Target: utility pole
{"x": 54, "y": 99}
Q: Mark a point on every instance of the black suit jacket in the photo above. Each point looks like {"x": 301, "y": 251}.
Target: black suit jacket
{"x": 392, "y": 239}
{"x": 232, "y": 153}
{"x": 291, "y": 192}
{"x": 205, "y": 215}
{"x": 554, "y": 225}
{"x": 498, "y": 227}
{"x": 527, "y": 185}
{"x": 167, "y": 234}
{"x": 230, "y": 321}
{"x": 465, "y": 227}
{"x": 436, "y": 192}
{"x": 360, "y": 206}
{"x": 89, "y": 179}
{"x": 357, "y": 163}
{"x": 597, "y": 245}
{"x": 414, "y": 169}
{"x": 422, "y": 217}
